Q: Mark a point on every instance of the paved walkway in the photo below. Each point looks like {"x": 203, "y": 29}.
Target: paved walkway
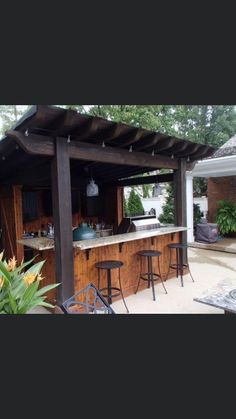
{"x": 224, "y": 245}
{"x": 208, "y": 268}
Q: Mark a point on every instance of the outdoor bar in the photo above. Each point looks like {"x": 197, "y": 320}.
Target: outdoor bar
{"x": 49, "y": 158}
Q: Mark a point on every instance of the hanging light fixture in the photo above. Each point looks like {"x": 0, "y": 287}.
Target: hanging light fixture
{"x": 92, "y": 187}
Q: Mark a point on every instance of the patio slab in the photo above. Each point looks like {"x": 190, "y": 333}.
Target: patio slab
{"x": 227, "y": 245}
{"x": 208, "y": 269}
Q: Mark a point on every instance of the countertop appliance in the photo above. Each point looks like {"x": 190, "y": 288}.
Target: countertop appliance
{"x": 138, "y": 223}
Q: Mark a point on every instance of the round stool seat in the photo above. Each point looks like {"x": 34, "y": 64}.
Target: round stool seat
{"x": 178, "y": 245}
{"x": 149, "y": 253}
{"x": 109, "y": 264}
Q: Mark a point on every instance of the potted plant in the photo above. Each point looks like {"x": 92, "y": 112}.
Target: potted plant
{"x": 19, "y": 287}
{"x": 226, "y": 217}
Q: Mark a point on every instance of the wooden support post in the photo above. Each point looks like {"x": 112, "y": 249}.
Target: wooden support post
{"x": 11, "y": 221}
{"x": 62, "y": 219}
{"x": 180, "y": 200}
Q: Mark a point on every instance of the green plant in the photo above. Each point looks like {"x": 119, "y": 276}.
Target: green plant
{"x": 168, "y": 212}
{"x": 135, "y": 206}
{"x": 19, "y": 287}
{"x": 226, "y": 217}
{"x": 196, "y": 214}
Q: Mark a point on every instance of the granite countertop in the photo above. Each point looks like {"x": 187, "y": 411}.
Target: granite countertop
{"x": 38, "y": 243}
{"x": 122, "y": 238}
{"x": 45, "y": 243}
{"x": 219, "y": 296}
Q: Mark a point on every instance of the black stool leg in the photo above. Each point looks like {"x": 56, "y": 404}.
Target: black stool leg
{"x": 177, "y": 262}
{"x": 122, "y": 293}
{"x": 149, "y": 272}
{"x": 189, "y": 269}
{"x": 98, "y": 279}
{"x": 161, "y": 275}
{"x": 169, "y": 266}
{"x": 190, "y": 273}
{"x": 139, "y": 275}
{"x": 109, "y": 299}
{"x": 151, "y": 275}
{"x": 181, "y": 267}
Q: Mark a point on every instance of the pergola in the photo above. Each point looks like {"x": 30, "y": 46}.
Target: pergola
{"x": 58, "y": 147}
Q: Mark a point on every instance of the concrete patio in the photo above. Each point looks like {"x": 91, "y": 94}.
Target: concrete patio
{"x": 208, "y": 268}
{"x": 227, "y": 245}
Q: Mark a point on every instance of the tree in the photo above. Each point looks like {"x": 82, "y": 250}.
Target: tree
{"x": 135, "y": 206}
{"x": 168, "y": 215}
{"x": 126, "y": 209}
{"x": 9, "y": 114}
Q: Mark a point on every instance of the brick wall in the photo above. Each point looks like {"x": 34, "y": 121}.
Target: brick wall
{"x": 220, "y": 188}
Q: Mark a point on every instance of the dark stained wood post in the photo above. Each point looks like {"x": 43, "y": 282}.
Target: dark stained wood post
{"x": 62, "y": 219}
{"x": 180, "y": 199}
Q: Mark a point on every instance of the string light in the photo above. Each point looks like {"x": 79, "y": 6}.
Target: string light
{"x": 130, "y": 149}
{"x": 103, "y": 144}
{"x": 68, "y": 139}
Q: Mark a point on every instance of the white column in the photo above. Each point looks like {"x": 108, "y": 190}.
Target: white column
{"x": 189, "y": 198}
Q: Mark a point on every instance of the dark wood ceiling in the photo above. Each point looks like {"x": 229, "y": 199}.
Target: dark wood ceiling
{"x": 57, "y": 122}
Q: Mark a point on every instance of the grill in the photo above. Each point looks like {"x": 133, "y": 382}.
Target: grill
{"x": 138, "y": 223}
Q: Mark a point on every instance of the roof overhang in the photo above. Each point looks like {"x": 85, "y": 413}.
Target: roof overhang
{"x": 111, "y": 150}
{"x": 218, "y": 167}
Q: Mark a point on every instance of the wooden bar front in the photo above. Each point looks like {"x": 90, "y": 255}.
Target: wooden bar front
{"x": 84, "y": 263}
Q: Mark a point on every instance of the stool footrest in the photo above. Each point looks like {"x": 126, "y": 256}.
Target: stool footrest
{"x": 148, "y": 279}
{"x": 178, "y": 265}
{"x": 111, "y": 289}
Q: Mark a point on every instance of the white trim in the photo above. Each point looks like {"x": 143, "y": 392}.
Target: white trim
{"x": 189, "y": 205}
{"x": 220, "y": 166}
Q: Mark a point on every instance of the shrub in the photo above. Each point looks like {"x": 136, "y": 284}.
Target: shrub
{"x": 197, "y": 214}
{"x": 226, "y": 217}
{"x": 135, "y": 206}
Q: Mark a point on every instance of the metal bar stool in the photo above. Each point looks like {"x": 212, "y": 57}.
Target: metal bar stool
{"x": 110, "y": 291}
{"x": 150, "y": 276}
{"x": 179, "y": 266}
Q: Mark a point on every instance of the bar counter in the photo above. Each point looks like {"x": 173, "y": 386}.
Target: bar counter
{"x": 45, "y": 243}
{"x": 123, "y": 247}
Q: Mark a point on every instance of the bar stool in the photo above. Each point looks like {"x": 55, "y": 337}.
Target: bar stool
{"x": 150, "y": 276}
{"x": 108, "y": 265}
{"x": 179, "y": 266}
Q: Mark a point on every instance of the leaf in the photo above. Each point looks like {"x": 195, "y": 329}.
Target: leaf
{"x": 28, "y": 295}
{"x": 12, "y": 303}
{"x": 45, "y": 289}
{"x": 5, "y": 272}
{"x": 35, "y": 269}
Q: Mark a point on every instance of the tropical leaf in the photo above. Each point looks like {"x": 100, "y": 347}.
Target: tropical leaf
{"x": 5, "y": 272}
{"x": 45, "y": 289}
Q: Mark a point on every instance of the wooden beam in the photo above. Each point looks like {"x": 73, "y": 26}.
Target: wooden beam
{"x": 42, "y": 145}
{"x": 148, "y": 141}
{"x": 62, "y": 219}
{"x": 145, "y": 180}
{"x": 12, "y": 221}
{"x": 181, "y": 200}
{"x": 86, "y": 151}
{"x": 33, "y": 144}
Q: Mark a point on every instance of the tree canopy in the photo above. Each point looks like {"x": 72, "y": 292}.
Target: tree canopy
{"x": 207, "y": 124}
